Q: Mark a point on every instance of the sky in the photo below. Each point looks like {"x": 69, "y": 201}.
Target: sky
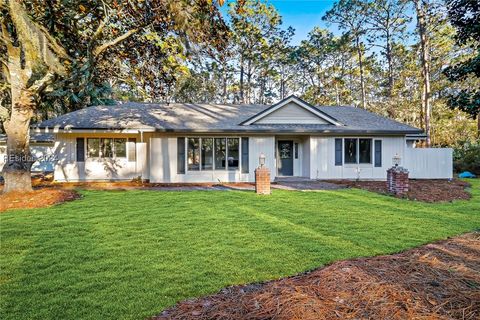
{"x": 302, "y": 15}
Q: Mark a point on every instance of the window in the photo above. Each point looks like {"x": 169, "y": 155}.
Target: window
{"x": 120, "y": 147}
{"x": 350, "y": 150}
{"x": 93, "y": 148}
{"x": 193, "y": 153}
{"x": 365, "y": 153}
{"x": 204, "y": 154}
{"x": 233, "y": 153}
{"x": 181, "y": 155}
{"x": 207, "y": 153}
{"x": 107, "y": 148}
{"x": 296, "y": 150}
{"x": 220, "y": 153}
{"x": 358, "y": 151}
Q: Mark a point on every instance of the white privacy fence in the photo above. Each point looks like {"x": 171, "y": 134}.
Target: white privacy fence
{"x": 429, "y": 163}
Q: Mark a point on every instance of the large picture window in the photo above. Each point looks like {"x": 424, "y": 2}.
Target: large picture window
{"x": 350, "y": 150}
{"x": 93, "y": 148}
{"x": 357, "y": 151}
{"x": 207, "y": 153}
{"x": 220, "y": 153}
{"x": 203, "y": 154}
{"x": 107, "y": 148}
{"x": 233, "y": 153}
{"x": 193, "y": 152}
{"x": 365, "y": 150}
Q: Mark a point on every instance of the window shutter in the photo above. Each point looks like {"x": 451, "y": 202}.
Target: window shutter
{"x": 132, "y": 149}
{"x": 338, "y": 152}
{"x": 245, "y": 155}
{"x": 181, "y": 155}
{"x": 378, "y": 153}
{"x": 80, "y": 149}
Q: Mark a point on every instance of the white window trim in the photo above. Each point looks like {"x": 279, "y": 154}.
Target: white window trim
{"x": 357, "y": 163}
{"x": 226, "y": 169}
{"x": 100, "y": 157}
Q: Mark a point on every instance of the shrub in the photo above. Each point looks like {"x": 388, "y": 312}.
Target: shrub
{"x": 466, "y": 157}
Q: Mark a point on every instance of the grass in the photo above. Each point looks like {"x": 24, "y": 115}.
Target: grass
{"x": 130, "y": 254}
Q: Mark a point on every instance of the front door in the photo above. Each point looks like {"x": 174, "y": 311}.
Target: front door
{"x": 285, "y": 158}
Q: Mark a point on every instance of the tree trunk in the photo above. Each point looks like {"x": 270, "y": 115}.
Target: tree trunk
{"x": 242, "y": 71}
{"x": 18, "y": 164}
{"x": 421, "y": 9}
{"x": 362, "y": 79}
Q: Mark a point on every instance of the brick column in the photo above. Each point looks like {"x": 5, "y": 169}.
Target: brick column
{"x": 262, "y": 180}
{"x": 397, "y": 180}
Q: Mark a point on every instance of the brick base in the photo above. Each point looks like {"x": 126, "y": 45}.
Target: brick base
{"x": 262, "y": 180}
{"x": 397, "y": 180}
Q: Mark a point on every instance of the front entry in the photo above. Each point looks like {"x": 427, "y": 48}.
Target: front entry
{"x": 285, "y": 158}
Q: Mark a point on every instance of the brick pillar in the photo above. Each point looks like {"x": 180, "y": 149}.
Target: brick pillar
{"x": 262, "y": 180}
{"x": 397, "y": 180}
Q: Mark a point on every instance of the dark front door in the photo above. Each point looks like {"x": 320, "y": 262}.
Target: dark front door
{"x": 285, "y": 158}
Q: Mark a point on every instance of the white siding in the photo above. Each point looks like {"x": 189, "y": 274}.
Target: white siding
{"x": 291, "y": 113}
{"x": 265, "y": 145}
{"x": 68, "y": 169}
{"x": 322, "y": 159}
{"x": 429, "y": 163}
{"x": 163, "y": 163}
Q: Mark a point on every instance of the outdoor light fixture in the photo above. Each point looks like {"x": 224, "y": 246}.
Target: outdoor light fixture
{"x": 396, "y": 160}
{"x": 261, "y": 159}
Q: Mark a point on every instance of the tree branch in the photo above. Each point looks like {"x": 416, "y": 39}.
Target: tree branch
{"x": 99, "y": 50}
{"x": 41, "y": 84}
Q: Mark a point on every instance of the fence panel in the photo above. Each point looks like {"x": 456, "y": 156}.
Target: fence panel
{"x": 429, "y": 163}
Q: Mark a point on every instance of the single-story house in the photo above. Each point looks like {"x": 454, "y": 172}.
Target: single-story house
{"x": 186, "y": 143}
{"x": 41, "y": 147}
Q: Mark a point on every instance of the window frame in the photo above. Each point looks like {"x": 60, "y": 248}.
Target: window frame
{"x": 357, "y": 151}
{"x": 214, "y": 168}
{"x": 100, "y": 151}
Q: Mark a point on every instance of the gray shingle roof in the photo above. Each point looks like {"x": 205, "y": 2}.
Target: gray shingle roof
{"x": 185, "y": 117}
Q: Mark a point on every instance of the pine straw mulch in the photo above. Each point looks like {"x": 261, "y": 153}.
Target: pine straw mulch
{"x": 421, "y": 190}
{"x": 436, "y": 281}
{"x": 43, "y": 195}
{"x": 38, "y": 198}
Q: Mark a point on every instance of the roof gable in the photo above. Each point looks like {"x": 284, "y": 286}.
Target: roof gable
{"x": 291, "y": 110}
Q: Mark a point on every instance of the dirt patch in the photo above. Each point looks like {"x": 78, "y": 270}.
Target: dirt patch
{"x": 421, "y": 190}
{"x": 435, "y": 281}
{"x": 38, "y": 198}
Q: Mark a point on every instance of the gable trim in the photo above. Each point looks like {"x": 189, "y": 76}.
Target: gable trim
{"x": 286, "y": 101}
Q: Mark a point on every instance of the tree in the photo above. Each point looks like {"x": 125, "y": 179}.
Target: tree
{"x": 465, "y": 17}
{"x": 422, "y": 10}
{"x": 351, "y": 15}
{"x": 388, "y": 20}
{"x": 46, "y": 48}
{"x": 253, "y": 26}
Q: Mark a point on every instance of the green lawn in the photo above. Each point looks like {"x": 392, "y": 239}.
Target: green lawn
{"x": 130, "y": 254}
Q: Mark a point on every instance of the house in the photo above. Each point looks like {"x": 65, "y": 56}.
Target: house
{"x": 191, "y": 143}
{"x": 41, "y": 147}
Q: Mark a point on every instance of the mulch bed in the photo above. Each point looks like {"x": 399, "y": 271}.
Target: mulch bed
{"x": 38, "y": 198}
{"x": 435, "y": 281}
{"x": 421, "y": 190}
